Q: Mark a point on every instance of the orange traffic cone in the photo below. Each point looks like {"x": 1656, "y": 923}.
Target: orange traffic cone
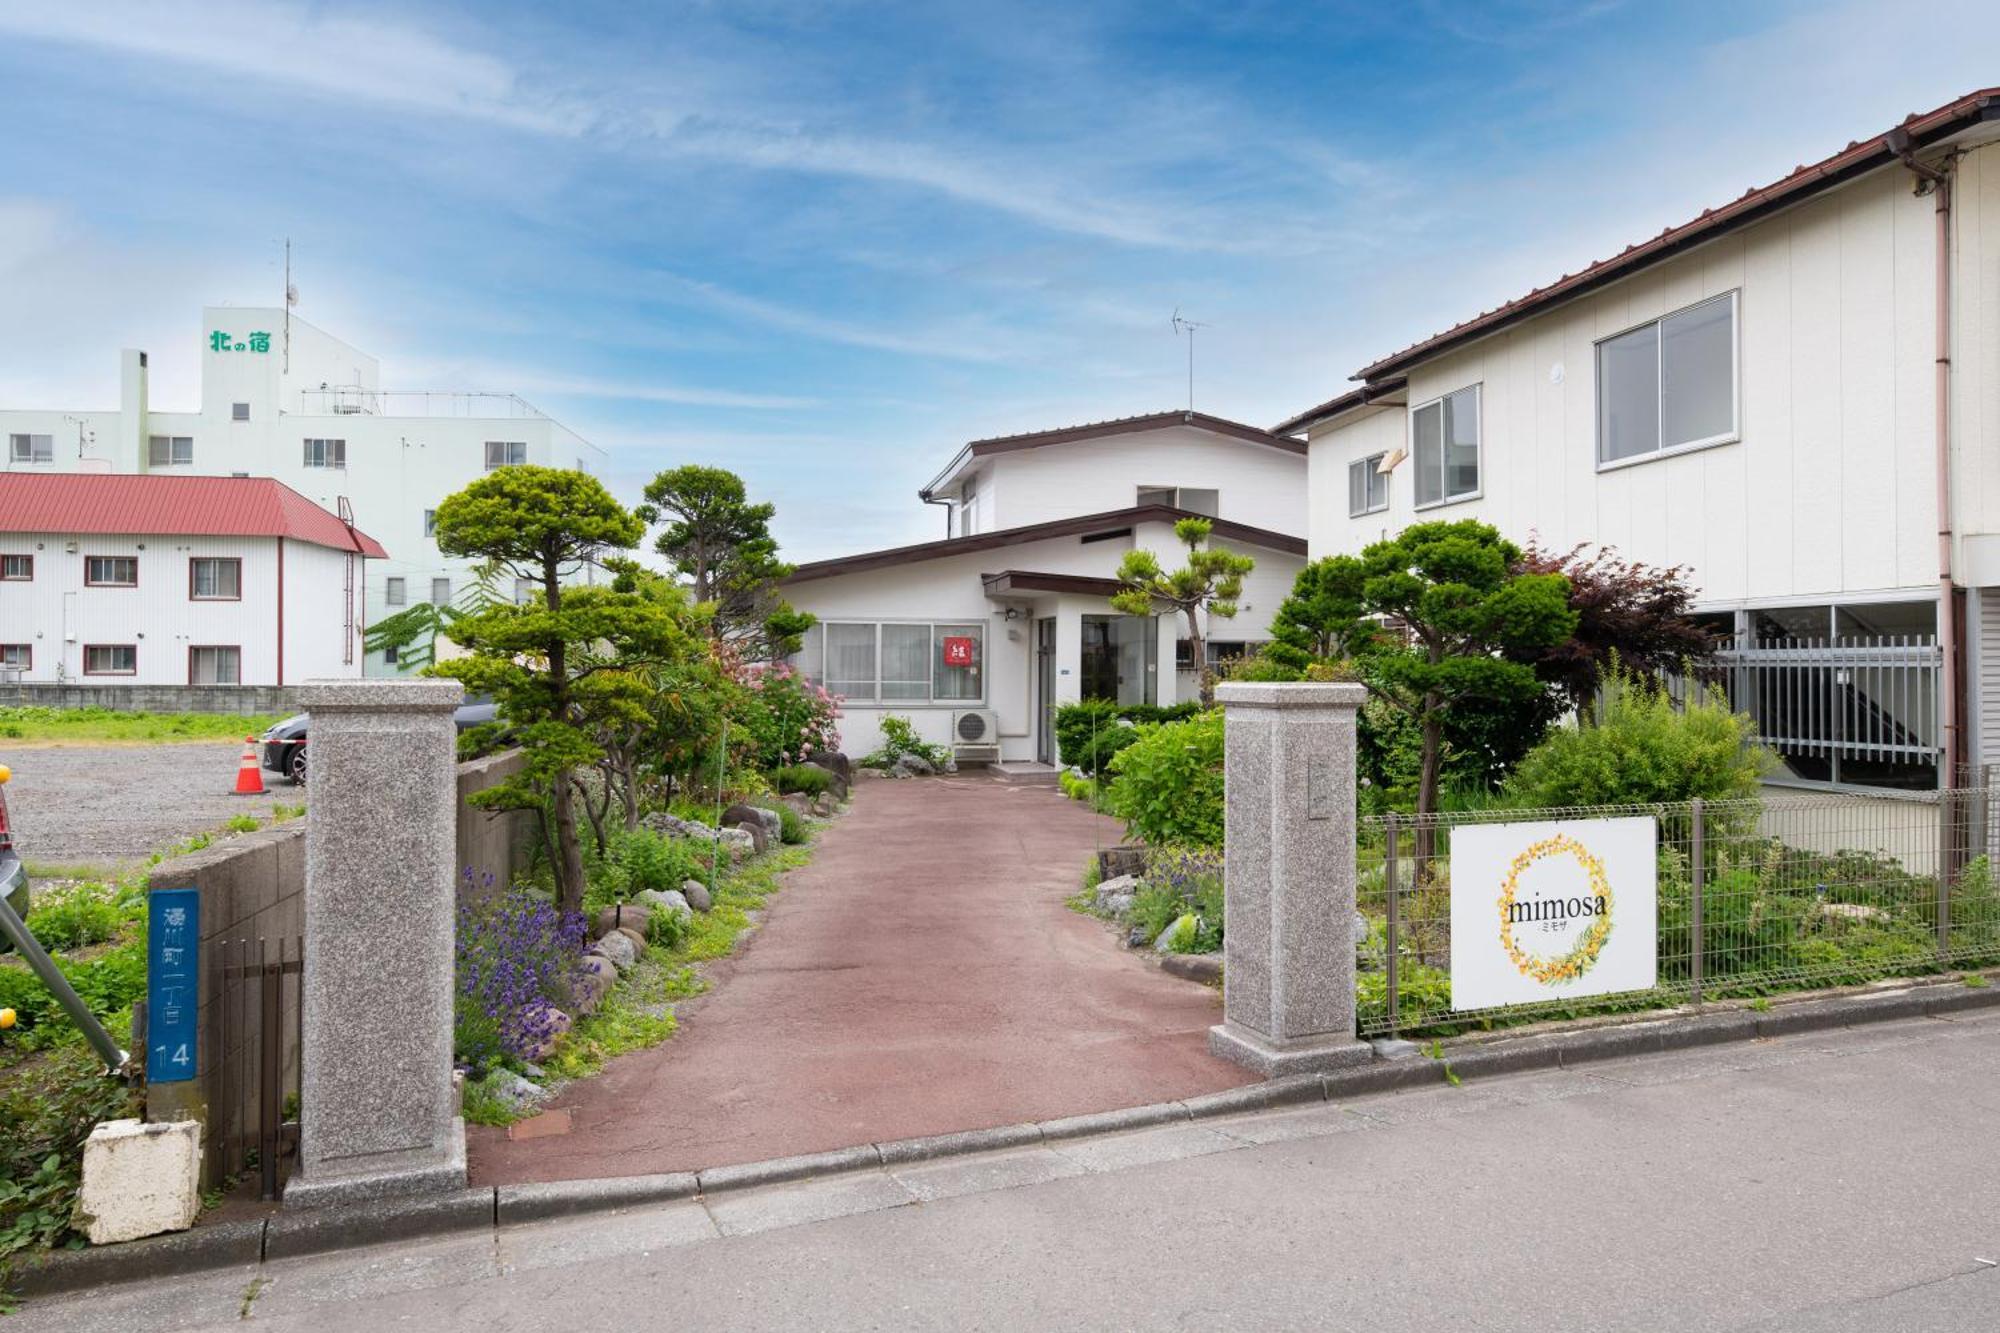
{"x": 249, "y": 774}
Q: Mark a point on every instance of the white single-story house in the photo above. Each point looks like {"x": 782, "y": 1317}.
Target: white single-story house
{"x": 979, "y": 636}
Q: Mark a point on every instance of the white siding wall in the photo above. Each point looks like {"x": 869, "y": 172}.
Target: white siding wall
{"x": 951, "y": 588}
{"x": 1830, "y": 488}
{"x": 158, "y": 617}
{"x": 397, "y": 467}
{"x": 1257, "y": 484}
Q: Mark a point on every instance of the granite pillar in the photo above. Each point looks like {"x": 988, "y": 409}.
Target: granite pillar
{"x": 1288, "y": 981}
{"x": 381, "y": 835}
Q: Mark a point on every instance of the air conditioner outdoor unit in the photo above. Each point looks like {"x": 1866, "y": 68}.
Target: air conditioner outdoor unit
{"x": 975, "y": 736}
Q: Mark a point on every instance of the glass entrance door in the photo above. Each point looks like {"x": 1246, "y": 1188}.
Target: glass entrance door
{"x": 1119, "y": 659}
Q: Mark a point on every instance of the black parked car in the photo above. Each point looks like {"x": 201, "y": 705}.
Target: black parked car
{"x": 284, "y": 745}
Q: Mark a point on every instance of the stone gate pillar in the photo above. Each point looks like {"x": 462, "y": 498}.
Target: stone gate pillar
{"x": 381, "y": 836}
{"x": 1288, "y": 963}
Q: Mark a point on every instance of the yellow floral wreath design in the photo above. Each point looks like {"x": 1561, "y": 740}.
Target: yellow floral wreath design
{"x": 1579, "y": 959}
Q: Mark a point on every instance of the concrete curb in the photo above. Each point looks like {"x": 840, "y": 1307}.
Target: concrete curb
{"x": 316, "y": 1231}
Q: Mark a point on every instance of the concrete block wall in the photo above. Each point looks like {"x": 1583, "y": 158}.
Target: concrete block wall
{"x": 244, "y": 699}
{"x": 252, "y": 887}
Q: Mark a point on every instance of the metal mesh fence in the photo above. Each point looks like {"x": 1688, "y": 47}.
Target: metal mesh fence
{"x": 1755, "y": 896}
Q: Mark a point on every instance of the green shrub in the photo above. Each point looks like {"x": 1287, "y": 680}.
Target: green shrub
{"x": 657, "y": 862}
{"x": 49, "y": 1105}
{"x": 808, "y": 779}
{"x": 899, "y": 737}
{"x": 84, "y": 914}
{"x": 1167, "y": 784}
{"x": 1645, "y": 750}
{"x": 791, "y": 825}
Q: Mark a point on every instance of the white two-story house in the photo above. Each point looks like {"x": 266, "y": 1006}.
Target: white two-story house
{"x": 1795, "y": 395}
{"x": 977, "y": 637}
{"x": 281, "y": 398}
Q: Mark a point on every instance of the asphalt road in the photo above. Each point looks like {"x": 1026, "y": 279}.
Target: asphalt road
{"x": 115, "y": 804}
{"x": 1835, "y": 1181}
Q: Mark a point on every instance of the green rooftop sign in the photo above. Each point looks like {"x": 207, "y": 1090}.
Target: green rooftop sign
{"x": 223, "y": 341}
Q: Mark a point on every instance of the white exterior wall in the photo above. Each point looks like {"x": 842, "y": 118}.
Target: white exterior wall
{"x": 950, "y": 588}
{"x": 1257, "y": 484}
{"x": 397, "y": 466}
{"x": 1829, "y": 490}
{"x": 58, "y": 614}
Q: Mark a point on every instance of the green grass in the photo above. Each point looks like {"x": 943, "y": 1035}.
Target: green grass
{"x": 105, "y": 724}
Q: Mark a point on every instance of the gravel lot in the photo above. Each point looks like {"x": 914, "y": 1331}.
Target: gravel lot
{"x": 115, "y": 804}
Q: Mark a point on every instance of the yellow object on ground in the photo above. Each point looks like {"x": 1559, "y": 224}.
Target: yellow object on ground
{"x": 6, "y": 1018}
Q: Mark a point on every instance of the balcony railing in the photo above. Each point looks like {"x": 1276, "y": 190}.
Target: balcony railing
{"x": 351, "y": 400}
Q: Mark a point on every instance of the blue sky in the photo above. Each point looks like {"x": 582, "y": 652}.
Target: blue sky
{"x": 823, "y": 244}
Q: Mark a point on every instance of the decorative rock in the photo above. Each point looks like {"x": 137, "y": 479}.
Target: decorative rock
{"x": 559, "y": 1023}
{"x": 618, "y": 947}
{"x": 824, "y": 806}
{"x": 638, "y": 938}
{"x": 1164, "y": 944}
{"x": 1360, "y": 930}
{"x": 1203, "y": 967}
{"x": 834, "y": 762}
{"x": 1122, "y": 886}
{"x": 1115, "y": 861}
{"x": 760, "y": 840}
{"x": 740, "y": 814}
{"x": 1137, "y": 938}
{"x": 621, "y": 914}
{"x": 513, "y": 1091}
{"x": 1116, "y": 905}
{"x": 696, "y": 894}
{"x": 801, "y": 804}
{"x": 140, "y": 1179}
{"x": 914, "y": 764}
{"x": 669, "y": 900}
{"x": 589, "y": 988}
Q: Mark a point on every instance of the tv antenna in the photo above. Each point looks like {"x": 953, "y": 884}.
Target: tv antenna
{"x": 1187, "y": 326}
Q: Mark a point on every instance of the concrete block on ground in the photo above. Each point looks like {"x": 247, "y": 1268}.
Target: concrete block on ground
{"x": 140, "y": 1179}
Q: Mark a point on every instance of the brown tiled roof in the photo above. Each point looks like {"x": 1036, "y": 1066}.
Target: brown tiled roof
{"x": 1803, "y": 182}
{"x": 1108, "y": 524}
{"x": 1367, "y": 393}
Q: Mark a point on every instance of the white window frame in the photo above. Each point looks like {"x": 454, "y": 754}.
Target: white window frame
{"x": 441, "y": 584}
{"x": 1730, "y": 436}
{"x": 22, "y": 447}
{"x": 172, "y": 445}
{"x": 395, "y": 591}
{"x": 816, "y": 670}
{"x": 509, "y": 449}
{"x": 1373, "y": 464}
{"x": 329, "y": 449}
{"x": 1478, "y": 388}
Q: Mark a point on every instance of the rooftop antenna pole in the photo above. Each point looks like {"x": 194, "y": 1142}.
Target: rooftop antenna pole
{"x": 291, "y": 299}
{"x": 1188, "y": 326}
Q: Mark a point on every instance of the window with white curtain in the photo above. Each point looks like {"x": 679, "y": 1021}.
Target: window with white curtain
{"x": 1367, "y": 487}
{"x": 394, "y": 592}
{"x": 906, "y": 662}
{"x": 215, "y": 666}
{"x": 1669, "y": 384}
{"x": 850, "y": 661}
{"x": 896, "y": 662}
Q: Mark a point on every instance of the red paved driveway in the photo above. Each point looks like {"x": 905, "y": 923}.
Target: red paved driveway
{"x": 921, "y": 975}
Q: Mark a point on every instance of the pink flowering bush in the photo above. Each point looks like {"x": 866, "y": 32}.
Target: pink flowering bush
{"x": 786, "y": 716}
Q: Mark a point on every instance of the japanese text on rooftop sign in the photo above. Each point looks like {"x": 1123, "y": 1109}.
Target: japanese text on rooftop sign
{"x": 222, "y": 340}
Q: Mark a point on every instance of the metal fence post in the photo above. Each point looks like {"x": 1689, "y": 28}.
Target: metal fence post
{"x": 1389, "y": 878}
{"x": 1697, "y": 875}
{"x": 1948, "y": 800}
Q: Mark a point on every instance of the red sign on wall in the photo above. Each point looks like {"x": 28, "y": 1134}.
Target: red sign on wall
{"x": 957, "y": 651}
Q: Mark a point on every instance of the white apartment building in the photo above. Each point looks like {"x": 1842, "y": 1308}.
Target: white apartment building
{"x": 1796, "y": 396}
{"x": 175, "y": 581}
{"x": 283, "y": 399}
{"x": 978, "y": 637}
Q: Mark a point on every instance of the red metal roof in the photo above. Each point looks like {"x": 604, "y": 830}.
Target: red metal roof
{"x": 161, "y": 506}
{"x": 1804, "y": 181}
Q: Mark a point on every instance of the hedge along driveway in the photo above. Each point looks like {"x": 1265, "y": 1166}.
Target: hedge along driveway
{"x": 922, "y": 975}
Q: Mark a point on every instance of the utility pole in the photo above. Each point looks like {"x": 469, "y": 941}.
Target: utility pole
{"x": 1188, "y": 327}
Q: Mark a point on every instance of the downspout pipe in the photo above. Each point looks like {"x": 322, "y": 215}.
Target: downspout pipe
{"x": 1936, "y": 182}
